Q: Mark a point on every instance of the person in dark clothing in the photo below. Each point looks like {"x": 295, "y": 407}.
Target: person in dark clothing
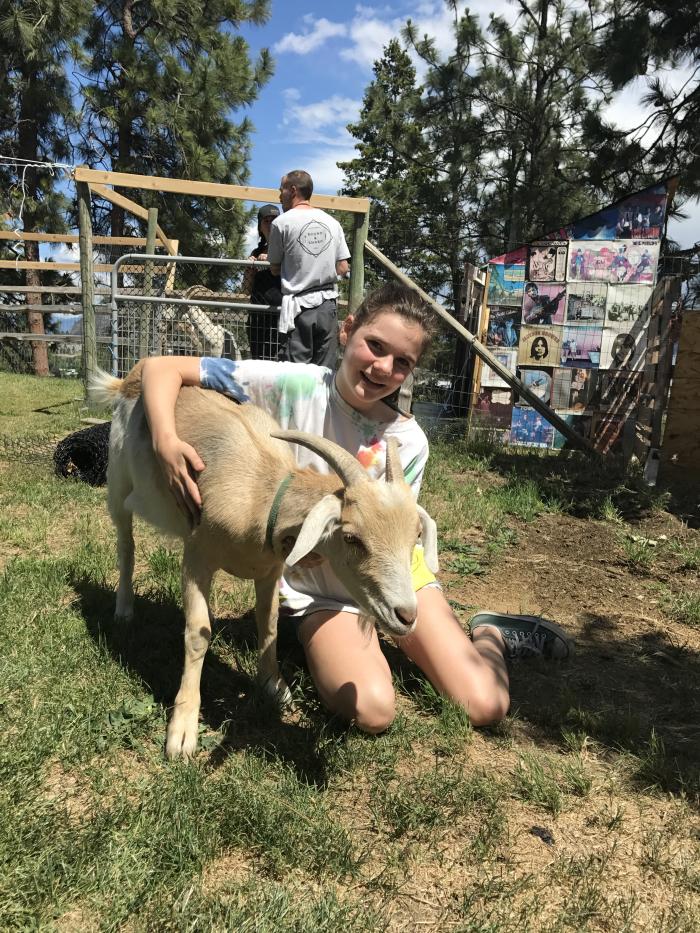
{"x": 542, "y": 308}
{"x": 264, "y": 289}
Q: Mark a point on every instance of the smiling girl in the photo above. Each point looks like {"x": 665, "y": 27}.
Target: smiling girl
{"x": 382, "y": 342}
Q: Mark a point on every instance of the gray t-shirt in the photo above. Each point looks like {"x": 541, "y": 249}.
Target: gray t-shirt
{"x": 307, "y": 243}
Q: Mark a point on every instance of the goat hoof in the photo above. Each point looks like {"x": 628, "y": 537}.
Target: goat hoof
{"x": 277, "y": 689}
{"x": 181, "y": 740}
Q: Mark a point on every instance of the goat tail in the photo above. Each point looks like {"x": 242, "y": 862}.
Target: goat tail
{"x": 103, "y": 388}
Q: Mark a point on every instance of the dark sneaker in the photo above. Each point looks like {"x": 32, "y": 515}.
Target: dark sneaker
{"x": 527, "y": 636}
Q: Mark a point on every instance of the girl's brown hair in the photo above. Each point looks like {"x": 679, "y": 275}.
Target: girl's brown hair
{"x": 397, "y": 299}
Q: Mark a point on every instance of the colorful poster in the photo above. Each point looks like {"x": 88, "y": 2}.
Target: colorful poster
{"x": 493, "y": 408}
{"x": 580, "y": 423}
{"x": 539, "y": 346}
{"x": 581, "y": 345}
{"x": 619, "y": 391}
{"x": 626, "y": 303}
{"x": 617, "y": 262}
{"x": 641, "y": 216}
{"x": 607, "y": 433}
{"x": 586, "y": 301}
{"x": 547, "y": 260}
{"x": 543, "y": 304}
{"x": 529, "y": 429}
{"x": 505, "y": 290}
{"x": 504, "y": 327}
{"x": 490, "y": 378}
{"x": 623, "y": 349}
{"x": 538, "y": 381}
{"x": 574, "y": 389}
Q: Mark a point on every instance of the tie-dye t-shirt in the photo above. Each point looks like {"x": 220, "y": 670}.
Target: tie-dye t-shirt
{"x": 304, "y": 397}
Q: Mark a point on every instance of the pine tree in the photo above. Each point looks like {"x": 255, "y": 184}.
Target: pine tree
{"x": 161, "y": 80}
{"x": 536, "y": 92}
{"x": 36, "y": 41}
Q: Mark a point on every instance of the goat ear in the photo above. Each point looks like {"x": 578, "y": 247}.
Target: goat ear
{"x": 315, "y": 524}
{"x": 429, "y": 536}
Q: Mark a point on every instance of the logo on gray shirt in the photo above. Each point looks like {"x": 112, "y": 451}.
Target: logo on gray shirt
{"x": 315, "y": 238}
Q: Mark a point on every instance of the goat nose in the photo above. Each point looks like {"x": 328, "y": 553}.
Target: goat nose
{"x": 406, "y": 617}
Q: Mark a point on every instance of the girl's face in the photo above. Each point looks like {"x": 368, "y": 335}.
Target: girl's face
{"x": 378, "y": 357}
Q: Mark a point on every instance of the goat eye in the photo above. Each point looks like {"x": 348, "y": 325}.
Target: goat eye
{"x": 353, "y": 540}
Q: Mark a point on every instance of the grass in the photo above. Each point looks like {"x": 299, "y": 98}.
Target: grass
{"x": 578, "y": 812}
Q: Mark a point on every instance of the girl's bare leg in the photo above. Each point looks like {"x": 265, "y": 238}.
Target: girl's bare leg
{"x": 472, "y": 673}
{"x": 350, "y": 672}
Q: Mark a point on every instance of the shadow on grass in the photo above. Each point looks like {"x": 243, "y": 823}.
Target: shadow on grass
{"x": 151, "y": 648}
{"x": 638, "y": 695}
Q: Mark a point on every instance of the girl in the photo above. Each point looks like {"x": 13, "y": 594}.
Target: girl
{"x": 382, "y": 342}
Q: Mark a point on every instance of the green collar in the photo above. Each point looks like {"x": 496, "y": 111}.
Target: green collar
{"x": 275, "y": 508}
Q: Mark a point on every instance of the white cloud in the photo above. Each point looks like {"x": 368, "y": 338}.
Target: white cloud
{"x": 321, "y": 122}
{"x": 302, "y": 43}
{"x": 328, "y": 178}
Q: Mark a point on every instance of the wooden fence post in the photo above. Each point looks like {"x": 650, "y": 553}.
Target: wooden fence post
{"x": 357, "y": 267}
{"x": 147, "y": 309}
{"x": 87, "y": 282}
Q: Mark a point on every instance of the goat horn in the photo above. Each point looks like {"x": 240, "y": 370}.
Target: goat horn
{"x": 344, "y": 464}
{"x": 394, "y": 470}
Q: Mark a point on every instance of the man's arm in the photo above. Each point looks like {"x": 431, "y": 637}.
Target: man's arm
{"x": 342, "y": 267}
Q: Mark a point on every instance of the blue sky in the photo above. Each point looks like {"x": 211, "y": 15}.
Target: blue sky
{"x": 323, "y": 62}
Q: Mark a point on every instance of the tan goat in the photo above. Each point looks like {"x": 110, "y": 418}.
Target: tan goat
{"x": 259, "y": 511}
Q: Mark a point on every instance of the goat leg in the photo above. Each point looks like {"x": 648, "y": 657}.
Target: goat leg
{"x": 184, "y": 723}
{"x": 123, "y": 523}
{"x": 266, "y": 613}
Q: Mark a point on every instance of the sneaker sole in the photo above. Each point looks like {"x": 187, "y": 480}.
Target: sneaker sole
{"x": 486, "y": 617}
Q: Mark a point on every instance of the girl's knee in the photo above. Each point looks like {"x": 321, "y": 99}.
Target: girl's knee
{"x": 372, "y": 709}
{"x": 487, "y": 710}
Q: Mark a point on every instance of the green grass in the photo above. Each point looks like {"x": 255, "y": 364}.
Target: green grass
{"x": 293, "y": 821}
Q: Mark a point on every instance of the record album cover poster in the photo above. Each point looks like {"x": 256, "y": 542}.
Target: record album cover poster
{"x": 574, "y": 389}
{"x": 539, "y": 346}
{"x": 506, "y": 284}
{"x": 607, "y": 433}
{"x": 623, "y": 348}
{"x": 538, "y": 381}
{"x": 543, "y": 304}
{"x": 586, "y": 302}
{"x": 619, "y": 391}
{"x": 493, "y": 408}
{"x": 490, "y": 378}
{"x": 627, "y": 303}
{"x": 615, "y": 261}
{"x": 530, "y": 429}
{"x": 547, "y": 260}
{"x": 581, "y": 346}
{"x": 639, "y": 216}
{"x": 504, "y": 327}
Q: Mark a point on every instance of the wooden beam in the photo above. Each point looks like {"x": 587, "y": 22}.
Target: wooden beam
{"x": 51, "y": 266}
{"x": 133, "y": 208}
{"x": 209, "y": 189}
{"x": 54, "y": 289}
{"x": 74, "y": 308}
{"x": 71, "y": 238}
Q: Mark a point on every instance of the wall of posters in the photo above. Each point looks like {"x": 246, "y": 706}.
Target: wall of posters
{"x": 490, "y": 378}
{"x": 571, "y": 310}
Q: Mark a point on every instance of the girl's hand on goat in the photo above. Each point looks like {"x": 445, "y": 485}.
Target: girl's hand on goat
{"x": 180, "y": 464}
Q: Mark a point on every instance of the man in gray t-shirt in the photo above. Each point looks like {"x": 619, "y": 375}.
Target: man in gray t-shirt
{"x": 307, "y": 248}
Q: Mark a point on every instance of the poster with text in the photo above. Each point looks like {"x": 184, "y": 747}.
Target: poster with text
{"x": 623, "y": 348}
{"x": 538, "y": 381}
{"x": 530, "y": 429}
{"x": 543, "y": 304}
{"x": 574, "y": 389}
{"x": 504, "y": 327}
{"x": 490, "y": 378}
{"x": 539, "y": 346}
{"x": 586, "y": 302}
{"x": 628, "y": 303}
{"x": 547, "y": 260}
{"x": 614, "y": 261}
{"x": 581, "y": 345}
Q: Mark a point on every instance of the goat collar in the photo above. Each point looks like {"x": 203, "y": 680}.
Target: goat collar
{"x": 275, "y": 508}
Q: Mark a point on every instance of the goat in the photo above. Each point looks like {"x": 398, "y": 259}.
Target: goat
{"x": 205, "y": 337}
{"x": 259, "y": 511}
